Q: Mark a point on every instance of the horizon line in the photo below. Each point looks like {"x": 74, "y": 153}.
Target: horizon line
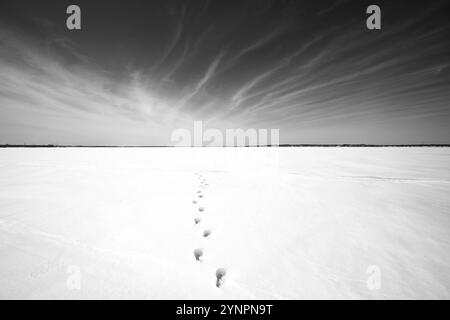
{"x": 284, "y": 145}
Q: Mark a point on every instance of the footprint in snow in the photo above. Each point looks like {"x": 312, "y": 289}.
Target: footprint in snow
{"x": 197, "y": 220}
{"x": 206, "y": 233}
{"x": 220, "y": 277}
{"x": 201, "y": 209}
{"x": 198, "y": 253}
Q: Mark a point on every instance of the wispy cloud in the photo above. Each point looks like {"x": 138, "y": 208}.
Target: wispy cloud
{"x": 203, "y": 81}
{"x": 38, "y": 90}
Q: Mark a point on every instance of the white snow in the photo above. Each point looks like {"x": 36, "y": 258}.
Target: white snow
{"x": 285, "y": 223}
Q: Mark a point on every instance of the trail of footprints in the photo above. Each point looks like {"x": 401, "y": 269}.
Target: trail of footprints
{"x": 198, "y": 252}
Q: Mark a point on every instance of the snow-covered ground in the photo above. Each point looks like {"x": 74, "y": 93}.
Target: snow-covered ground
{"x": 286, "y": 223}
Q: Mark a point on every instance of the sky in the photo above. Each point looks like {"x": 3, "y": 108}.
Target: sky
{"x": 138, "y": 70}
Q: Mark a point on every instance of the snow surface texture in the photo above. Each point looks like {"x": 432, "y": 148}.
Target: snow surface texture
{"x": 285, "y": 223}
